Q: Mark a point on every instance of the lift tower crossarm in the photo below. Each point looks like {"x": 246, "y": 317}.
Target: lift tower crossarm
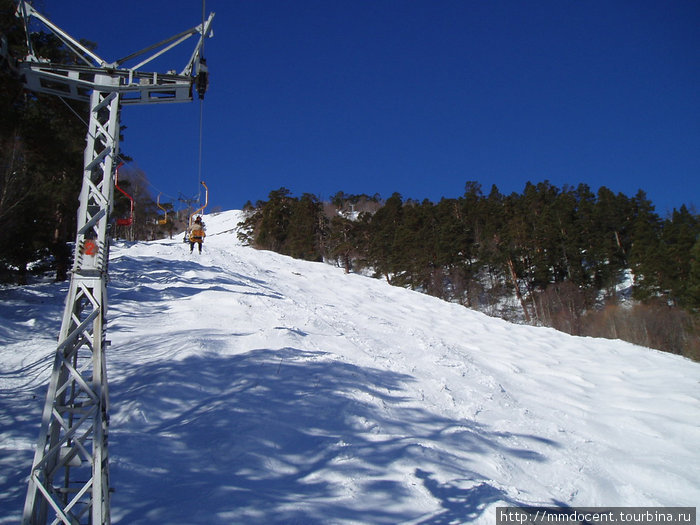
{"x": 197, "y": 54}
{"x": 203, "y": 29}
{"x": 69, "y": 480}
{"x": 26, "y": 10}
{"x": 136, "y": 87}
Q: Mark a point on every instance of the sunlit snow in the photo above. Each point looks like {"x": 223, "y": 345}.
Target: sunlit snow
{"x": 248, "y": 387}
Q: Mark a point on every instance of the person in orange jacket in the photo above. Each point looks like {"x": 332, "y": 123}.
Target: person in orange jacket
{"x": 197, "y": 234}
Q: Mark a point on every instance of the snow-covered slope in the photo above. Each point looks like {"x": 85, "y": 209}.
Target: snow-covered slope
{"x": 247, "y": 387}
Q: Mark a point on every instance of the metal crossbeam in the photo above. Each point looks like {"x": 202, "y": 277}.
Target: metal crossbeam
{"x": 77, "y": 82}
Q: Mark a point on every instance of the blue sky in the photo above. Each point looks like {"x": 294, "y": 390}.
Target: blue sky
{"x": 417, "y": 96}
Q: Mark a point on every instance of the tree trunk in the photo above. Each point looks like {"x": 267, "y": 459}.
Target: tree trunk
{"x": 59, "y": 249}
{"x": 514, "y": 278}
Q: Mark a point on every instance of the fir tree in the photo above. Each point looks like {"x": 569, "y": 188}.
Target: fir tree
{"x": 384, "y": 227}
{"x": 680, "y": 234}
{"x": 647, "y": 252}
{"x": 306, "y": 229}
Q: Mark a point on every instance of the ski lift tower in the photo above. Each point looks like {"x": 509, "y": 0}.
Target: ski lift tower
{"x": 69, "y": 480}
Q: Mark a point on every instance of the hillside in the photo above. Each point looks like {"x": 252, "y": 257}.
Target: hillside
{"x": 249, "y": 387}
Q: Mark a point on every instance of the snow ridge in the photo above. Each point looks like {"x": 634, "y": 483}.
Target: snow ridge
{"x": 248, "y": 387}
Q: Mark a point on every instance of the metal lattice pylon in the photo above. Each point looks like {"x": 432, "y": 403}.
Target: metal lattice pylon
{"x": 70, "y": 472}
{"x": 69, "y": 479}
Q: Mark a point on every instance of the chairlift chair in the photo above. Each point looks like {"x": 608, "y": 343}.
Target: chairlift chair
{"x": 164, "y": 220}
{"x": 124, "y": 221}
{"x": 197, "y": 212}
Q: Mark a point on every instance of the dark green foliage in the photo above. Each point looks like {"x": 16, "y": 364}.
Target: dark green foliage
{"x": 287, "y": 225}
{"x": 42, "y": 140}
{"x": 610, "y": 239}
{"x": 692, "y": 292}
{"x": 41, "y": 145}
{"x": 307, "y": 227}
{"x": 646, "y": 253}
{"x": 383, "y": 249}
{"x": 678, "y": 239}
{"x": 342, "y": 241}
{"x": 542, "y": 237}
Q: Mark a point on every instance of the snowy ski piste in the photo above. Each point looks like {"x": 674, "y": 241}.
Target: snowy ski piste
{"x": 248, "y": 387}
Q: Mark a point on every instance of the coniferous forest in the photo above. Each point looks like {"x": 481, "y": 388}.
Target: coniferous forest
{"x": 587, "y": 263}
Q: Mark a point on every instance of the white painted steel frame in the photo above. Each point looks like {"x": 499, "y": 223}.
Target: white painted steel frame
{"x": 70, "y": 472}
{"x": 69, "y": 479}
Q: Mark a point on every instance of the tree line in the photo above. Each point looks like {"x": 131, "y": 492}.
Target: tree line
{"x": 552, "y": 256}
{"x": 41, "y": 146}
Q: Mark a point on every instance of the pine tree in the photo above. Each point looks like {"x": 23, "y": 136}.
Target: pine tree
{"x": 692, "y": 293}
{"x": 306, "y": 229}
{"x": 456, "y": 224}
{"x": 646, "y": 257}
{"x": 610, "y": 240}
{"x": 342, "y": 242}
{"x": 679, "y": 235}
{"x": 42, "y": 142}
{"x": 273, "y": 222}
{"x": 384, "y": 226}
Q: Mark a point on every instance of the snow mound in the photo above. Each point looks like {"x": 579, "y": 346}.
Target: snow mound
{"x": 248, "y": 387}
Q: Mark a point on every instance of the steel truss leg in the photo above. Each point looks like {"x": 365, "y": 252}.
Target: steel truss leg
{"x": 69, "y": 481}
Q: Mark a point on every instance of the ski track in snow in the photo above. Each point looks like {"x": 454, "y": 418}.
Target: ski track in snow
{"x": 247, "y": 387}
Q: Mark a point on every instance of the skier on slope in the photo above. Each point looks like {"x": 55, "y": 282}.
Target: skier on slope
{"x": 197, "y": 234}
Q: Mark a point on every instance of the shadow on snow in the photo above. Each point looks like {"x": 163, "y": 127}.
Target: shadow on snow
{"x": 288, "y": 436}
{"x": 268, "y": 436}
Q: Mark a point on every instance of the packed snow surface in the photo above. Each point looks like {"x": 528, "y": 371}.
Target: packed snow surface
{"x": 248, "y": 387}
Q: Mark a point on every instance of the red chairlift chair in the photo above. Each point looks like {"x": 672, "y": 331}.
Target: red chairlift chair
{"x": 125, "y": 221}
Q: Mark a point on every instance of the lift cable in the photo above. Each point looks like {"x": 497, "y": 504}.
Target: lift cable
{"x": 199, "y": 166}
{"x": 204, "y": 19}
{"x": 201, "y": 113}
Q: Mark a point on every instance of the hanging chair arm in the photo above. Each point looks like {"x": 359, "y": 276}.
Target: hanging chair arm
{"x": 206, "y": 202}
{"x": 116, "y": 185}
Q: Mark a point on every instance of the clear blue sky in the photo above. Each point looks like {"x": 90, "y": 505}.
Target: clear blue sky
{"x": 417, "y": 96}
